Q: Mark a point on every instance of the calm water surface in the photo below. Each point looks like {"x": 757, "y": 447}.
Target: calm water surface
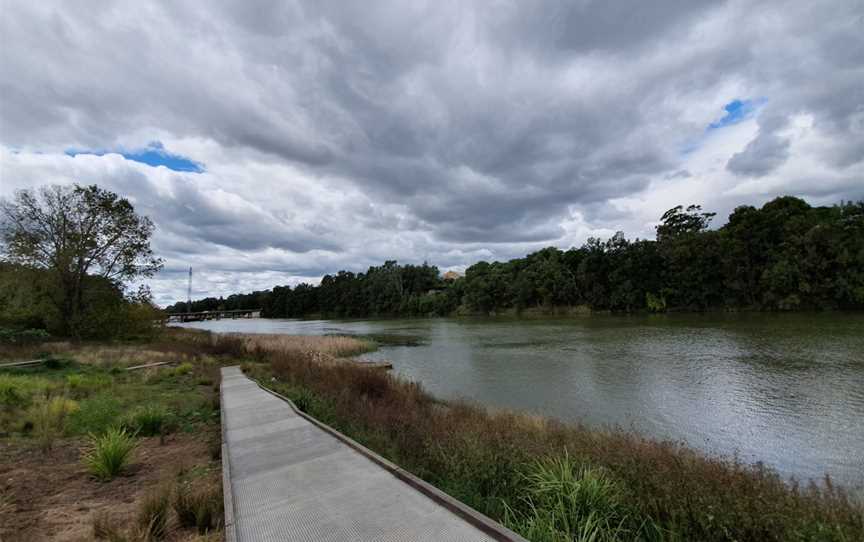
{"x": 787, "y": 390}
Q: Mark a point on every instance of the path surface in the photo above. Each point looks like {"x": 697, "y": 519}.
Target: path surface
{"x": 290, "y": 479}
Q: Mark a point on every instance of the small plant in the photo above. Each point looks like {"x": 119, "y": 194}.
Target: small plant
{"x": 109, "y": 453}
{"x": 49, "y": 419}
{"x": 148, "y": 421}
{"x": 199, "y": 506}
{"x": 153, "y": 513}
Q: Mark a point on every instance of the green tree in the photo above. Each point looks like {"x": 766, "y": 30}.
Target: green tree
{"x": 83, "y": 237}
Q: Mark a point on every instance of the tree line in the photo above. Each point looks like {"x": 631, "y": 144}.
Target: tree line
{"x": 786, "y": 255}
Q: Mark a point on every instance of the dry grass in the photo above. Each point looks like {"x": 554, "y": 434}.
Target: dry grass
{"x": 323, "y": 348}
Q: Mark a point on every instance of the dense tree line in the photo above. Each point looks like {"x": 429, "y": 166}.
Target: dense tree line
{"x": 785, "y": 256}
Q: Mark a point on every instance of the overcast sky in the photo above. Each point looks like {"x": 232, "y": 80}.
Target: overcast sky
{"x": 273, "y": 141}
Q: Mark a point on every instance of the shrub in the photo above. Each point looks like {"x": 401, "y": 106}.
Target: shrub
{"x": 153, "y": 513}
{"x": 148, "y": 421}
{"x": 199, "y": 506}
{"x": 109, "y": 453}
{"x": 48, "y": 417}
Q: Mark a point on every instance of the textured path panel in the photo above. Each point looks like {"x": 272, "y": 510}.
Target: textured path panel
{"x": 289, "y": 479}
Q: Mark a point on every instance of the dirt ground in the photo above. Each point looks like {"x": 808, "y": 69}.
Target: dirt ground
{"x": 52, "y": 497}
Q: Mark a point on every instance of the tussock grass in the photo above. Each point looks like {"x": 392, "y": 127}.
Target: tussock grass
{"x": 148, "y": 421}
{"x": 109, "y": 453}
{"x": 554, "y": 481}
{"x": 199, "y": 505}
{"x": 154, "y": 512}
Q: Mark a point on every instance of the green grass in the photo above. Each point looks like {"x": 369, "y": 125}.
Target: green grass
{"x": 148, "y": 421}
{"x": 109, "y": 453}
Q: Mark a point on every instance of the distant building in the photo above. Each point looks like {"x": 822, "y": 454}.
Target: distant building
{"x": 452, "y": 275}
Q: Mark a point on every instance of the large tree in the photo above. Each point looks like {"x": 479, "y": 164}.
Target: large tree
{"x": 82, "y": 237}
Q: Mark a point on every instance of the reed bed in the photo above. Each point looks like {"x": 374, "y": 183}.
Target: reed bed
{"x": 321, "y": 348}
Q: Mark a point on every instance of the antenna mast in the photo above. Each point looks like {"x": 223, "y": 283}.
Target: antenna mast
{"x": 189, "y": 292}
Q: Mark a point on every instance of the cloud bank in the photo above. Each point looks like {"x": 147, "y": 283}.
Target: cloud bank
{"x": 330, "y": 135}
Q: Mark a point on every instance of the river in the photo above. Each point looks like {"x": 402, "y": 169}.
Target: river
{"x": 784, "y": 389}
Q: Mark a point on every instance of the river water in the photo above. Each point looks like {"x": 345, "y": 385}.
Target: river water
{"x": 784, "y": 389}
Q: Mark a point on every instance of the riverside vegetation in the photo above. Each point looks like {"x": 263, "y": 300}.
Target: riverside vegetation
{"x": 547, "y": 480}
{"x": 786, "y": 255}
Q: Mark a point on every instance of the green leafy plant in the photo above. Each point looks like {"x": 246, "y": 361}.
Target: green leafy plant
{"x": 109, "y": 453}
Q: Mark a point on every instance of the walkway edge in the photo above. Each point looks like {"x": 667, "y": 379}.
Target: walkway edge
{"x": 227, "y": 490}
{"x": 475, "y": 518}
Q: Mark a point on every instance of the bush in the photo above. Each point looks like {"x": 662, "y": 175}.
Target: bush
{"x": 109, "y": 453}
{"x": 199, "y": 506}
{"x": 148, "y": 421}
{"x": 153, "y": 513}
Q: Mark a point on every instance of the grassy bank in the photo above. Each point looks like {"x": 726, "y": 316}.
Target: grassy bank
{"x": 89, "y": 450}
{"x": 551, "y": 481}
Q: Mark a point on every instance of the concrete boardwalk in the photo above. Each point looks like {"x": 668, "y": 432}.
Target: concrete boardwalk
{"x": 287, "y": 478}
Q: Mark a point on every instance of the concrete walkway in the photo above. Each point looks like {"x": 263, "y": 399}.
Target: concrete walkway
{"x": 288, "y": 477}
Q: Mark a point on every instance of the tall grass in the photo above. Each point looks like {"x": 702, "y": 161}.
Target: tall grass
{"x": 48, "y": 417}
{"x": 154, "y": 512}
{"x": 323, "y": 348}
{"x": 109, "y": 453}
{"x": 609, "y": 483}
{"x": 199, "y": 505}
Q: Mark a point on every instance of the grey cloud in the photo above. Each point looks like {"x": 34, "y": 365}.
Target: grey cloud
{"x": 761, "y": 156}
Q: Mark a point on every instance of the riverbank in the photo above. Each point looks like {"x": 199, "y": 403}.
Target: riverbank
{"x": 553, "y": 481}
